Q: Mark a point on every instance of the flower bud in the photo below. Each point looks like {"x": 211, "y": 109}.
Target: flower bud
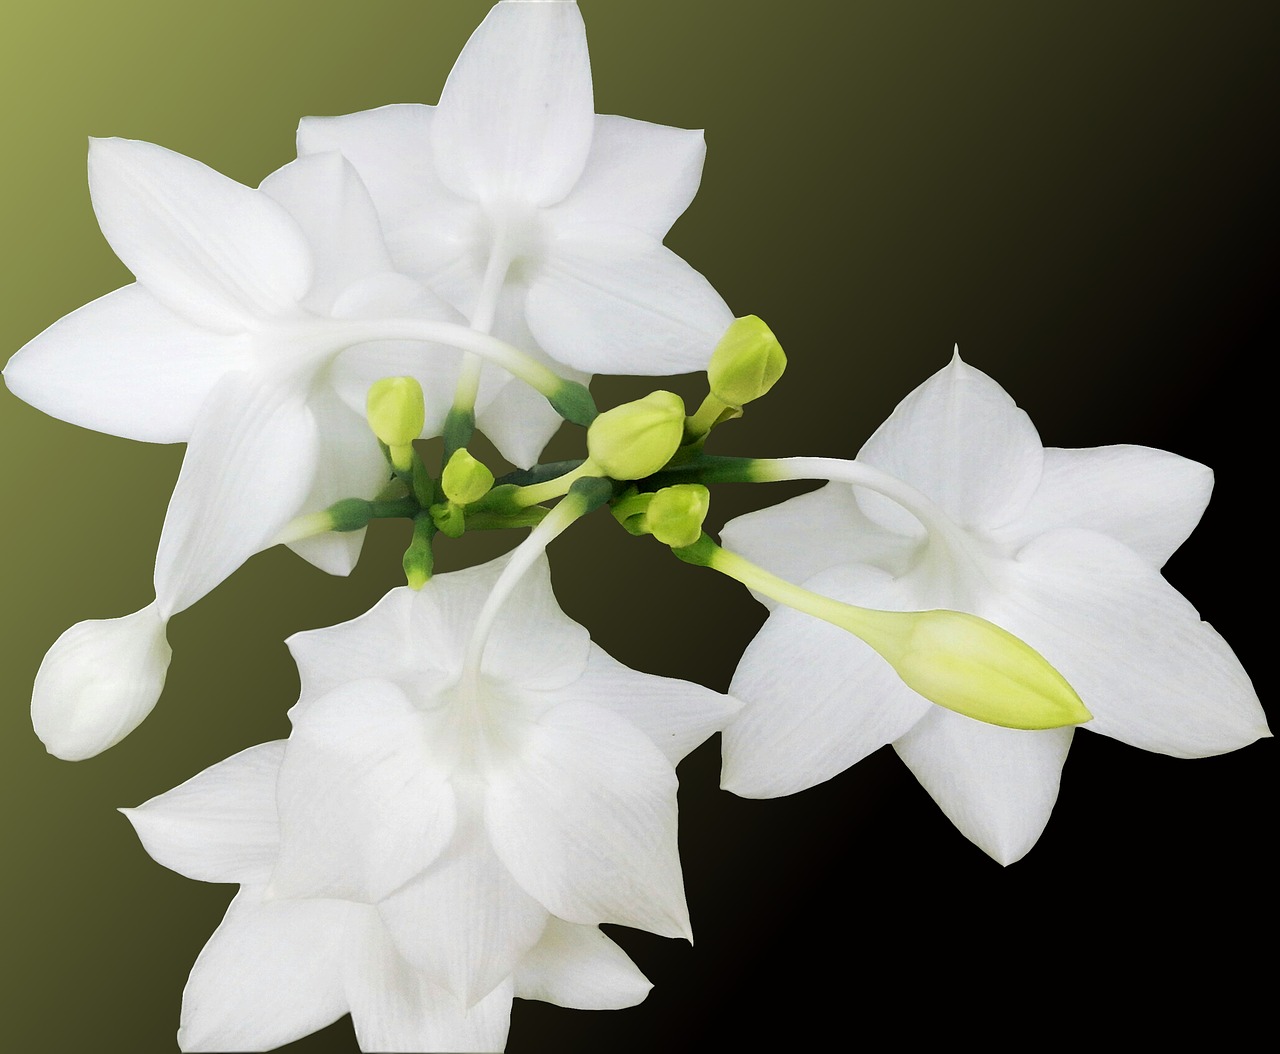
{"x": 98, "y": 682}
{"x": 973, "y": 667}
{"x": 674, "y": 515}
{"x": 465, "y": 479}
{"x": 396, "y": 412}
{"x": 746, "y": 363}
{"x": 636, "y": 439}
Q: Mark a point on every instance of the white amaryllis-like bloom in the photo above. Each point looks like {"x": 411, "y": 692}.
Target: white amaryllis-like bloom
{"x": 226, "y": 342}
{"x": 222, "y": 344}
{"x": 277, "y": 969}
{"x": 1062, "y": 548}
{"x": 535, "y": 218}
{"x": 434, "y": 838}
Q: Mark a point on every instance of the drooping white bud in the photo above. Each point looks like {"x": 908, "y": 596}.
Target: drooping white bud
{"x": 98, "y": 682}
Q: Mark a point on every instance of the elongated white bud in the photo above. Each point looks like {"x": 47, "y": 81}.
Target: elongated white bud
{"x": 98, "y": 682}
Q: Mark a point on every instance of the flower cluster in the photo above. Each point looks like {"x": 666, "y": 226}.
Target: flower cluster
{"x": 471, "y": 787}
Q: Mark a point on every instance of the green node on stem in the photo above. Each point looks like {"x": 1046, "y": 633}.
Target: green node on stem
{"x": 574, "y": 402}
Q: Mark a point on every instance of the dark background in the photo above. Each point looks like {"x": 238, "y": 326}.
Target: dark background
{"x": 1080, "y": 194}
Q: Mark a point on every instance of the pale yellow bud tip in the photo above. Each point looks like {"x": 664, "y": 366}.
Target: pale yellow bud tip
{"x": 395, "y": 410}
{"x": 465, "y": 479}
{"x": 746, "y": 363}
{"x": 675, "y": 515}
{"x": 637, "y": 439}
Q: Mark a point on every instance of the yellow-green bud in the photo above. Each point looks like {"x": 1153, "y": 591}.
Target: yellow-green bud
{"x": 674, "y": 516}
{"x": 395, "y": 410}
{"x": 465, "y": 479}
{"x": 746, "y": 363}
{"x": 636, "y": 439}
{"x": 973, "y": 667}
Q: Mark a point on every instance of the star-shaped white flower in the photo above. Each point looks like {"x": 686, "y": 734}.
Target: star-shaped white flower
{"x": 217, "y": 345}
{"x": 542, "y": 786}
{"x": 1062, "y": 548}
{"x": 534, "y": 217}
{"x": 232, "y": 341}
{"x": 276, "y": 969}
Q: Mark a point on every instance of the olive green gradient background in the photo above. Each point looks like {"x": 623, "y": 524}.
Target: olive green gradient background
{"x": 1081, "y": 195}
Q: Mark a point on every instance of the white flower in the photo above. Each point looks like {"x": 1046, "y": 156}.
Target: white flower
{"x": 1060, "y": 547}
{"x": 276, "y": 970}
{"x": 452, "y": 839}
{"x": 215, "y": 345}
{"x": 534, "y": 217}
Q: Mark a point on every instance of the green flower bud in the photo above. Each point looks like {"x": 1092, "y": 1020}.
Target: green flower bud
{"x": 465, "y": 479}
{"x": 674, "y": 516}
{"x": 746, "y": 363}
{"x": 636, "y": 439}
{"x": 395, "y": 410}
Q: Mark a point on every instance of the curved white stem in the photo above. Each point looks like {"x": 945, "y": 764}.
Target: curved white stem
{"x": 522, "y": 558}
{"x": 860, "y": 474}
{"x": 348, "y": 332}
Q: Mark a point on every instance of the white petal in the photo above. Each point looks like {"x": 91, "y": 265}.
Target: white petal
{"x": 516, "y": 114}
{"x": 430, "y": 231}
{"x": 796, "y": 539}
{"x": 816, "y": 699}
{"x": 962, "y": 442}
{"x": 1152, "y": 674}
{"x": 609, "y": 299}
{"x": 579, "y": 967}
{"x": 397, "y": 1008}
{"x": 326, "y": 197}
{"x": 270, "y": 974}
{"x": 464, "y": 922}
{"x": 638, "y": 174}
{"x": 374, "y": 645}
{"x": 364, "y": 804}
{"x": 125, "y": 365}
{"x": 515, "y": 418}
{"x": 213, "y": 250}
{"x": 249, "y": 466}
{"x": 583, "y": 813}
{"x": 391, "y": 149}
{"x": 997, "y": 785}
{"x": 350, "y": 466}
{"x": 353, "y": 372}
{"x": 676, "y": 715}
{"x": 219, "y": 826}
{"x": 98, "y": 682}
{"x": 520, "y": 422}
{"x": 533, "y": 644}
{"x": 1149, "y": 499}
